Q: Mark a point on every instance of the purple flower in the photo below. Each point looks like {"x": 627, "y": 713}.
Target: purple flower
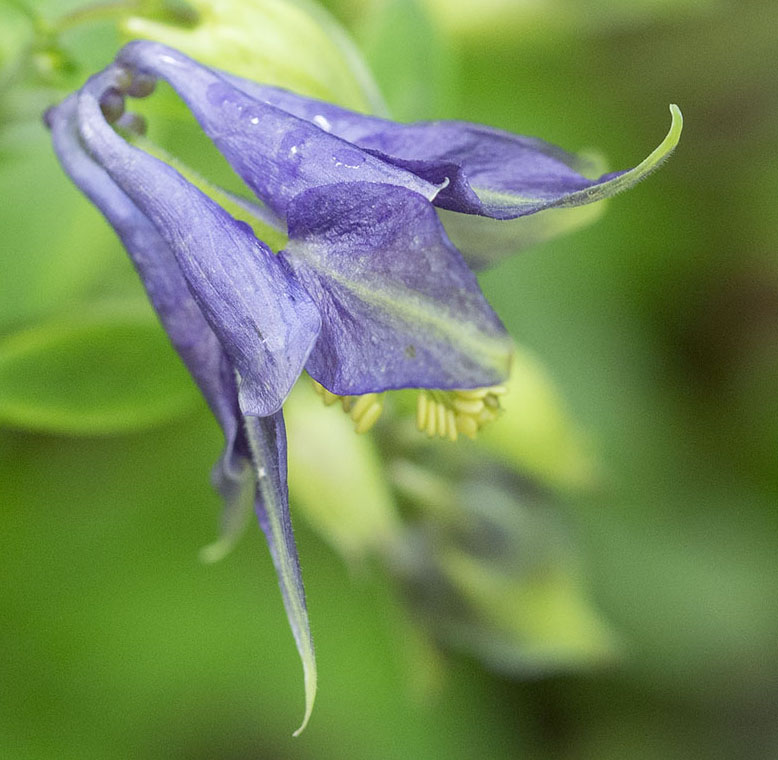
{"x": 367, "y": 295}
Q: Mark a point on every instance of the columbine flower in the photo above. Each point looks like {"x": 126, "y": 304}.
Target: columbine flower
{"x": 368, "y": 293}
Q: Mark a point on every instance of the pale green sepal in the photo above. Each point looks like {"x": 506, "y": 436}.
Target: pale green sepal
{"x": 296, "y": 45}
{"x": 238, "y": 495}
{"x": 650, "y": 164}
{"x": 269, "y": 455}
{"x": 528, "y": 610}
{"x": 535, "y": 433}
{"x": 336, "y": 479}
{"x": 605, "y": 189}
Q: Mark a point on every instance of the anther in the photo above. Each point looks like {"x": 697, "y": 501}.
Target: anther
{"x": 328, "y": 398}
{"x": 369, "y": 417}
{"x": 447, "y": 414}
{"x": 451, "y": 426}
{"x": 361, "y": 405}
{"x": 421, "y": 411}
{"x": 468, "y": 406}
{"x": 364, "y": 410}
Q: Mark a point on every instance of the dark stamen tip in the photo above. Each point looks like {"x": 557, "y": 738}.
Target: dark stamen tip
{"x": 133, "y": 123}
{"x": 112, "y": 104}
{"x": 142, "y": 86}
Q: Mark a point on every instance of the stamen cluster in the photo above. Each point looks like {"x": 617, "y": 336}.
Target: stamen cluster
{"x": 446, "y": 414}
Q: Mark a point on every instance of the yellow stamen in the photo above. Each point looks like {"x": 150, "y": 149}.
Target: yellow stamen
{"x": 468, "y": 406}
{"x": 361, "y": 405}
{"x": 441, "y": 421}
{"x": 439, "y": 414}
{"x": 364, "y": 410}
{"x": 432, "y": 420}
{"x": 451, "y": 424}
{"x": 370, "y": 417}
{"x": 421, "y": 411}
{"x": 327, "y": 397}
{"x": 446, "y": 414}
{"x": 467, "y": 426}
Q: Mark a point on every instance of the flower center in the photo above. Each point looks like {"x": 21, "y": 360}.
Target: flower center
{"x": 439, "y": 414}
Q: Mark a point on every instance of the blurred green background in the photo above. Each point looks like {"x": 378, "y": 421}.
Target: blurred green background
{"x": 658, "y": 324}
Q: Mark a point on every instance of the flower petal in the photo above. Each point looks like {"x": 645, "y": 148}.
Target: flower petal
{"x": 400, "y": 308}
{"x": 267, "y": 438}
{"x": 190, "y": 334}
{"x": 235, "y": 481}
{"x": 265, "y": 321}
{"x": 489, "y": 171}
{"x": 276, "y": 154}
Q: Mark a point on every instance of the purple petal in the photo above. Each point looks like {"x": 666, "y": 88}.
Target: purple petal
{"x": 490, "y": 172}
{"x": 267, "y": 438}
{"x": 276, "y": 154}
{"x": 206, "y": 360}
{"x": 265, "y": 321}
{"x": 190, "y": 334}
{"x": 400, "y": 308}
{"x": 348, "y": 125}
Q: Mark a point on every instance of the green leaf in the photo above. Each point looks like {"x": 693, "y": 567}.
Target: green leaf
{"x": 288, "y": 43}
{"x": 100, "y": 373}
{"x": 15, "y": 33}
{"x": 55, "y": 244}
{"x": 499, "y": 20}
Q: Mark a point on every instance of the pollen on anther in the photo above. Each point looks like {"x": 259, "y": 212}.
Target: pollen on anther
{"x": 447, "y": 414}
